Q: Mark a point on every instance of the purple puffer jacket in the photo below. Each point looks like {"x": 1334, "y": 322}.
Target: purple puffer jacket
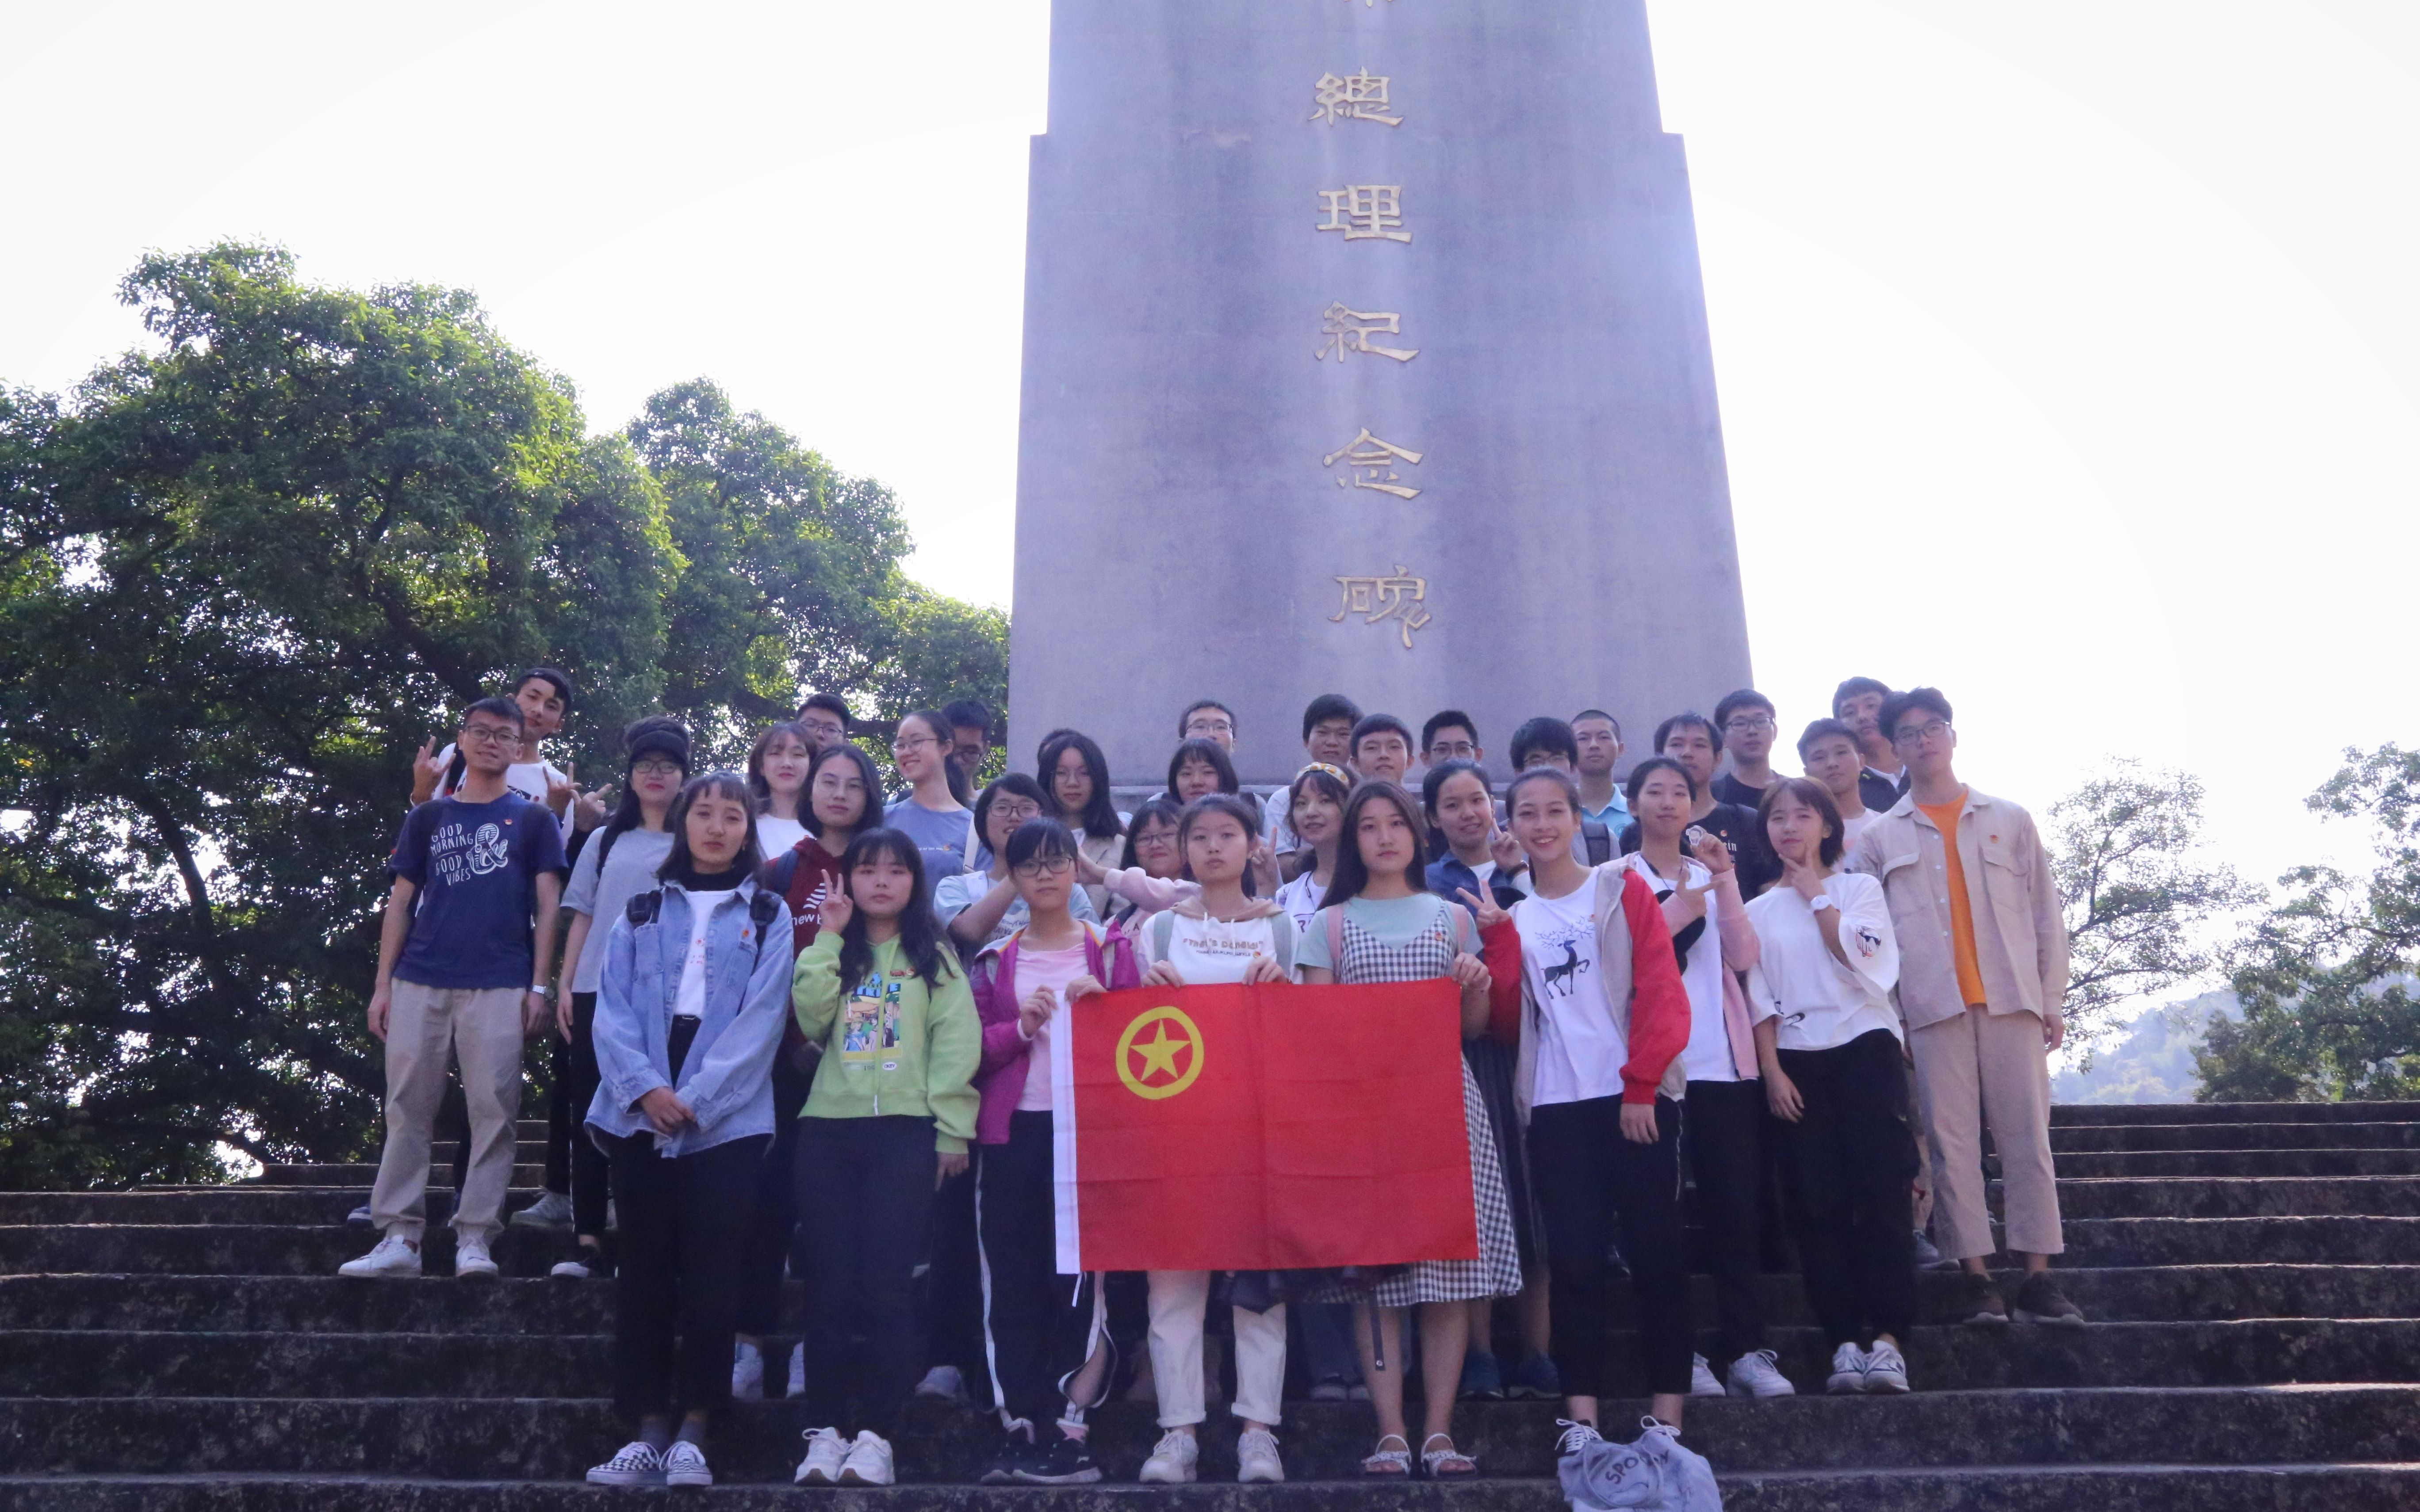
{"x": 1111, "y": 960}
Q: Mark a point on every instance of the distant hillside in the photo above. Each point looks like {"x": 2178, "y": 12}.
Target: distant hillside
{"x": 2153, "y": 1063}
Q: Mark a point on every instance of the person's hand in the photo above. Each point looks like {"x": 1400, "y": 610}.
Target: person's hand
{"x": 1506, "y": 850}
{"x": 1639, "y": 1123}
{"x": 1781, "y": 1095}
{"x": 1035, "y": 1011}
{"x": 1264, "y": 863}
{"x": 1164, "y": 974}
{"x": 1085, "y": 985}
{"x": 589, "y": 810}
{"x": 559, "y": 794}
{"x": 1482, "y": 909}
{"x": 1261, "y": 970}
{"x": 1088, "y": 872}
{"x": 665, "y": 1112}
{"x": 534, "y": 1013}
{"x": 1804, "y": 878}
{"x": 382, "y": 1006}
{"x": 1712, "y": 854}
{"x": 2054, "y": 1029}
{"x": 427, "y": 772}
{"x": 562, "y": 1008}
{"x": 837, "y": 912}
{"x": 1470, "y": 971}
{"x": 947, "y": 1167}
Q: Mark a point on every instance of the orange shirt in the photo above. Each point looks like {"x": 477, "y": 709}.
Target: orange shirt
{"x": 1961, "y": 909}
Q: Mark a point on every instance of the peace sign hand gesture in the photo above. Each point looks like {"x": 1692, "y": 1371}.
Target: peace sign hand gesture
{"x": 1483, "y": 910}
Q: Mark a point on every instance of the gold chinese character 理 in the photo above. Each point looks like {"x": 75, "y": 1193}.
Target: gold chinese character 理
{"x": 1361, "y": 96}
{"x": 1364, "y": 211}
{"x": 1371, "y": 464}
{"x": 1349, "y": 330}
{"x": 1402, "y": 598}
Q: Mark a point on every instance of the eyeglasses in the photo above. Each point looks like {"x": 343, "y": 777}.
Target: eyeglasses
{"x": 1014, "y": 813}
{"x": 1156, "y": 840}
{"x": 491, "y": 735}
{"x": 1748, "y": 725}
{"x": 1909, "y": 735}
{"x": 912, "y": 744}
{"x": 1453, "y": 750}
{"x": 1049, "y": 866}
{"x": 655, "y": 768}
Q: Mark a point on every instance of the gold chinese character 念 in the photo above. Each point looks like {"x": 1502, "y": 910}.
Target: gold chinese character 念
{"x": 1361, "y": 97}
{"x": 1364, "y": 211}
{"x": 1349, "y": 330}
{"x": 1372, "y": 464}
{"x": 1400, "y": 598}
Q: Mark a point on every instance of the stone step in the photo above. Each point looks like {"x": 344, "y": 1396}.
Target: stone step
{"x": 538, "y": 1438}
{"x": 2147, "y": 1164}
{"x": 2236, "y": 1137}
{"x": 245, "y": 1249}
{"x": 2343, "y": 1241}
{"x": 97, "y": 1363}
{"x": 2255, "y": 1488}
{"x": 530, "y": 1174}
{"x": 2236, "y": 1197}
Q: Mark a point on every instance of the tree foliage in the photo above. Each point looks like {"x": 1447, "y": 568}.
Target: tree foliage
{"x": 2326, "y": 978}
{"x": 244, "y": 575}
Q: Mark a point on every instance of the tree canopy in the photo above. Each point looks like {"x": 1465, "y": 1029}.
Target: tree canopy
{"x": 245, "y": 573}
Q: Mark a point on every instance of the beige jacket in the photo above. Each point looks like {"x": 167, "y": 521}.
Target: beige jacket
{"x": 2019, "y": 936}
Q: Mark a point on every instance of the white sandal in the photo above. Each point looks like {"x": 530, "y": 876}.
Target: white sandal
{"x": 1445, "y": 1461}
{"x": 1386, "y": 1462}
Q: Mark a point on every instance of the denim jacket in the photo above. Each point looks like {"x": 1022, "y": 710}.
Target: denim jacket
{"x": 727, "y": 1080}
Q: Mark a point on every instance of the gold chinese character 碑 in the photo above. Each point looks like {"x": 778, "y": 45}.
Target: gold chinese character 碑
{"x": 1371, "y": 464}
{"x": 1401, "y": 597}
{"x": 1349, "y": 330}
{"x": 1361, "y": 97}
{"x": 1364, "y": 211}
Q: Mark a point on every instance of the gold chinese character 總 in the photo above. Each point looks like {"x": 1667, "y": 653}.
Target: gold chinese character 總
{"x": 1371, "y": 464}
{"x": 1349, "y": 330}
{"x": 1361, "y": 96}
{"x": 1400, "y": 598}
{"x": 1364, "y": 211}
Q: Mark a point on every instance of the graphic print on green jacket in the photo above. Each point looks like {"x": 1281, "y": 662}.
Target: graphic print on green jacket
{"x": 890, "y": 1046}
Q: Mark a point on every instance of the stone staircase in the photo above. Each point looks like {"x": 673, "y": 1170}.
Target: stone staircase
{"x": 2252, "y": 1272}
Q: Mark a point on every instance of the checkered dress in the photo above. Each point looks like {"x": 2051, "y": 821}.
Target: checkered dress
{"x": 1497, "y": 1272}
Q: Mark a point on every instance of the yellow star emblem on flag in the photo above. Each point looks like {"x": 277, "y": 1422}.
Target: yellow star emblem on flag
{"x": 1140, "y": 1060}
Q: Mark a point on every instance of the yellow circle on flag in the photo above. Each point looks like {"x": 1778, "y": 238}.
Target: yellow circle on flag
{"x": 1159, "y": 1054}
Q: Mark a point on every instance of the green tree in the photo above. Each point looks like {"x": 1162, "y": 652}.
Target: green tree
{"x": 2326, "y": 978}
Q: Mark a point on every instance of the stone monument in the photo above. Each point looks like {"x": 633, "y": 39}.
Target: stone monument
{"x": 1365, "y": 352}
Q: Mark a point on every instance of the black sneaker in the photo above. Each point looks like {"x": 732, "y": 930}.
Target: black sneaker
{"x": 1018, "y": 1454}
{"x": 1980, "y": 1300}
{"x": 2039, "y": 1300}
{"x": 1068, "y": 1463}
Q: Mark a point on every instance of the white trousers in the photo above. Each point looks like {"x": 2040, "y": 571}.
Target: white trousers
{"x": 1179, "y": 1301}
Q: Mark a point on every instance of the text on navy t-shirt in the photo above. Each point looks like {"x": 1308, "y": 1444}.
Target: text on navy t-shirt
{"x": 477, "y": 866}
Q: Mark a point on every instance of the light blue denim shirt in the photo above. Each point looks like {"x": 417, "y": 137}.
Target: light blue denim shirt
{"x": 727, "y": 1080}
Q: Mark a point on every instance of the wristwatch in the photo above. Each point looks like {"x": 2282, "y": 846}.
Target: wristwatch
{"x": 543, "y": 988}
{"x": 1821, "y": 901}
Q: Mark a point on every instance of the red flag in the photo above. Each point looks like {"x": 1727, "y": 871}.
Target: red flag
{"x": 1238, "y": 1128}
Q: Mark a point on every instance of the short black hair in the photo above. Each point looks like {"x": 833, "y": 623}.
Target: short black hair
{"x": 1378, "y": 724}
{"x": 1664, "y": 732}
{"x": 1016, "y": 783}
{"x": 1822, "y": 728}
{"x": 1443, "y": 772}
{"x": 1547, "y": 734}
{"x": 966, "y": 714}
{"x": 1745, "y": 697}
{"x": 1446, "y": 720}
{"x": 1855, "y": 686}
{"x": 1596, "y": 714}
{"x": 546, "y": 675}
{"x": 1196, "y": 707}
{"x": 1211, "y": 754}
{"x": 1640, "y": 773}
{"x": 501, "y": 708}
{"x": 1325, "y": 707}
{"x": 1812, "y": 793}
{"x": 829, "y": 704}
{"x": 1043, "y": 837}
{"x": 1896, "y": 706}
{"x": 1158, "y": 810}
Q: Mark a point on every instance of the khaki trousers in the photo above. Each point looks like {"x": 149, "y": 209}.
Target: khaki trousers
{"x": 1180, "y": 1306}
{"x": 482, "y": 1028}
{"x": 1989, "y": 1069}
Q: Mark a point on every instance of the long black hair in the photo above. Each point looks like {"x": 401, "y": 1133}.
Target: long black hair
{"x": 1350, "y": 874}
{"x": 756, "y": 783}
{"x": 658, "y": 733}
{"x": 724, "y": 784}
{"x": 920, "y": 933}
{"x": 1100, "y": 816}
{"x": 945, "y": 738}
{"x": 869, "y": 816}
{"x": 1211, "y": 754}
{"x": 1238, "y": 808}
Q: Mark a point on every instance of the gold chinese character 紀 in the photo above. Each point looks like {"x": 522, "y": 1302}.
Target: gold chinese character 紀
{"x": 1400, "y": 598}
{"x": 1364, "y": 211}
{"x": 1349, "y": 330}
{"x": 1371, "y": 464}
{"x": 1361, "y": 97}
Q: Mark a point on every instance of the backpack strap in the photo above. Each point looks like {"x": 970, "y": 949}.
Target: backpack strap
{"x": 1281, "y": 933}
{"x": 1598, "y": 841}
{"x": 1161, "y": 928}
{"x": 644, "y": 906}
{"x": 1334, "y": 915}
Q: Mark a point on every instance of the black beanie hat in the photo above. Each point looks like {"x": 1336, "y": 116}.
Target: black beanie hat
{"x": 656, "y": 736}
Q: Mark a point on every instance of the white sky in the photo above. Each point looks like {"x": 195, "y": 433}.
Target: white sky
{"x": 2066, "y": 351}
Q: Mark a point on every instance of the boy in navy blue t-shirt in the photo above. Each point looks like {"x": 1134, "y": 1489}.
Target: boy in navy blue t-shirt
{"x": 478, "y": 880}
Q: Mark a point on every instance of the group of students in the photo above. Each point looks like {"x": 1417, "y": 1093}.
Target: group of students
{"x": 801, "y": 1031}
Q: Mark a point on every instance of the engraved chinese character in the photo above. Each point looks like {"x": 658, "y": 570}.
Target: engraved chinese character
{"x": 1364, "y": 211}
{"x": 1361, "y": 97}
{"x": 1349, "y": 330}
{"x": 1371, "y": 464}
{"x": 1402, "y": 598}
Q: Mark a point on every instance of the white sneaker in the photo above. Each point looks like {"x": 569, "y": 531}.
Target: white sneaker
{"x": 636, "y": 1465}
{"x": 1885, "y": 1369}
{"x": 944, "y": 1383}
{"x": 1755, "y": 1374}
{"x": 747, "y": 1372}
{"x": 1256, "y": 1458}
{"x": 1172, "y": 1460}
{"x": 553, "y": 1209}
{"x": 868, "y": 1462}
{"x": 797, "y": 1386}
{"x": 472, "y": 1261}
{"x": 396, "y": 1255}
{"x": 1848, "y": 1376}
{"x": 1576, "y": 1437}
{"x": 571, "y": 1270}
{"x": 685, "y": 1465}
{"x": 826, "y": 1450}
{"x": 1701, "y": 1377}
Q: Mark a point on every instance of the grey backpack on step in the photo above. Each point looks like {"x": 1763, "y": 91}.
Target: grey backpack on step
{"x": 1653, "y": 1474}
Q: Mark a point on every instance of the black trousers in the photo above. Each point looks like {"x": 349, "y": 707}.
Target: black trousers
{"x": 1038, "y": 1324}
{"x": 678, "y": 1275}
{"x": 773, "y": 1212}
{"x": 575, "y": 1076}
{"x": 869, "y": 1184}
{"x": 1849, "y": 1160}
{"x": 1724, "y": 1136}
{"x": 950, "y": 1300}
{"x": 1593, "y": 1186}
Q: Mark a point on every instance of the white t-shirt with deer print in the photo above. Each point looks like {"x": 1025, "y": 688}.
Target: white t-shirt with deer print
{"x": 1580, "y": 1049}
